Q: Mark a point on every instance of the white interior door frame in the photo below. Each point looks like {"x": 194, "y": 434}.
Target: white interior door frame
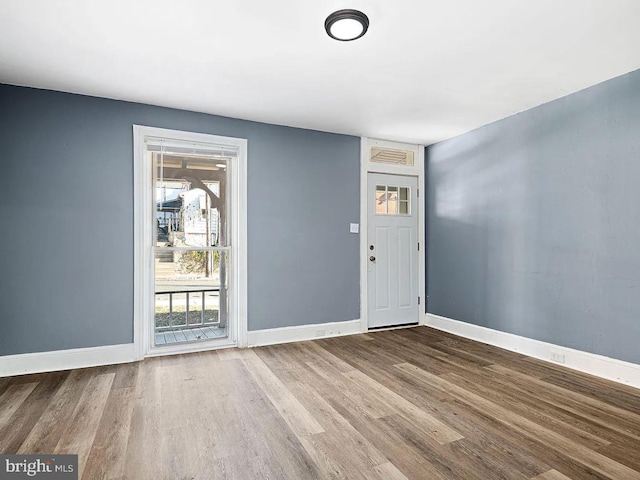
{"x": 143, "y": 234}
{"x": 417, "y": 170}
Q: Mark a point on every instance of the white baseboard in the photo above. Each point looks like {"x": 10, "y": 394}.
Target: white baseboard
{"x": 39, "y": 362}
{"x": 598, "y": 365}
{"x": 301, "y": 333}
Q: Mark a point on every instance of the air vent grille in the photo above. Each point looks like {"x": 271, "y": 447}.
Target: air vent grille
{"x": 392, "y": 156}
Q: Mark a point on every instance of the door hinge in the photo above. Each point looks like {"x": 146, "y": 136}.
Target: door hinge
{"x": 418, "y": 300}
{"x": 418, "y": 246}
{"x": 418, "y": 192}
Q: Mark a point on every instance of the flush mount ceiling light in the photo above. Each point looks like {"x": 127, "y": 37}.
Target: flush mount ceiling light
{"x": 346, "y": 25}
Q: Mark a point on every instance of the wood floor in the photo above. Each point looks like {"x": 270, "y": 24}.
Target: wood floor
{"x": 415, "y": 403}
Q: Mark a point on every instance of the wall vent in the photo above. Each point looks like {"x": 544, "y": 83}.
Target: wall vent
{"x": 392, "y": 156}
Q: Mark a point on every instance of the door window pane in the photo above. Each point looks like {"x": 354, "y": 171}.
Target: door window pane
{"x": 381, "y": 199}
{"x": 404, "y": 201}
{"x": 392, "y": 200}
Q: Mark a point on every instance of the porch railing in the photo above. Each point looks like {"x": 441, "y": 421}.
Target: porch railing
{"x": 188, "y": 323}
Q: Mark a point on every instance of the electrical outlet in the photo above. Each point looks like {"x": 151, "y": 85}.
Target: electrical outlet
{"x": 557, "y": 357}
{"x": 320, "y": 333}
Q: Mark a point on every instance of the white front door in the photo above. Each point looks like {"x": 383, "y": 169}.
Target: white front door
{"x": 392, "y": 250}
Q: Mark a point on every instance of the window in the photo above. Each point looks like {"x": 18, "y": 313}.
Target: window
{"x": 190, "y": 236}
{"x": 392, "y": 156}
{"x": 392, "y": 200}
{"x": 192, "y": 250}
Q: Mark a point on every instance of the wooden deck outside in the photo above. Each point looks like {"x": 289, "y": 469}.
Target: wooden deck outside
{"x": 189, "y": 335}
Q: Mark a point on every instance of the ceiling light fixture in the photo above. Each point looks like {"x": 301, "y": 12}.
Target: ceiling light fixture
{"x": 346, "y": 25}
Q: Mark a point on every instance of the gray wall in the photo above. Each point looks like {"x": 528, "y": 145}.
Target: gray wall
{"x": 66, "y": 217}
{"x": 534, "y": 222}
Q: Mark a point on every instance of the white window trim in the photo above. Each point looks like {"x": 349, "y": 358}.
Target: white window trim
{"x": 415, "y": 170}
{"x": 143, "y": 221}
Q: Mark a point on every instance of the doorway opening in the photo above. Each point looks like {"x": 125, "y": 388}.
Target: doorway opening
{"x": 392, "y": 242}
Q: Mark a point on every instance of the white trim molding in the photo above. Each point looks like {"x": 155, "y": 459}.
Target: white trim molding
{"x": 604, "y": 367}
{"x": 416, "y": 170}
{"x": 300, "y": 333}
{"x": 39, "y": 362}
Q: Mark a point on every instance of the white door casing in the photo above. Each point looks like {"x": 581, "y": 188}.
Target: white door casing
{"x": 369, "y": 147}
{"x": 392, "y": 248}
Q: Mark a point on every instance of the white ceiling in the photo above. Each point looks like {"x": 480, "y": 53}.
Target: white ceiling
{"x": 425, "y": 71}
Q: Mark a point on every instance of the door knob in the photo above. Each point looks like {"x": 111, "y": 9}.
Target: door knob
{"x": 372, "y": 258}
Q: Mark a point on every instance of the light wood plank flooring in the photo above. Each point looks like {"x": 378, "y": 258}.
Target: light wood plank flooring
{"x": 394, "y": 405}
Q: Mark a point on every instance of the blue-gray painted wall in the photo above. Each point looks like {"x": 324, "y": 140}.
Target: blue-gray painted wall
{"x": 533, "y": 222}
{"x": 66, "y": 219}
